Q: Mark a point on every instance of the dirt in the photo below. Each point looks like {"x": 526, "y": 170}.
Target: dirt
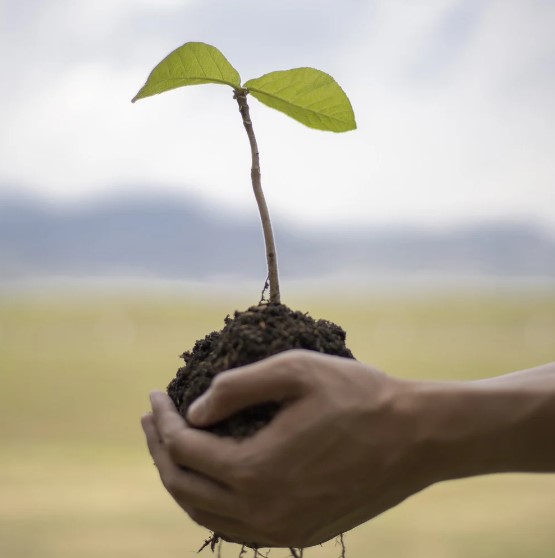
{"x": 257, "y": 333}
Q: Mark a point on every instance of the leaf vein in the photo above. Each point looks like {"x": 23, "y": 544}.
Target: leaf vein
{"x": 294, "y": 106}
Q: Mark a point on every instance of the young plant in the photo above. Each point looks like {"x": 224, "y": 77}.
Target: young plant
{"x": 313, "y": 98}
{"x": 310, "y": 96}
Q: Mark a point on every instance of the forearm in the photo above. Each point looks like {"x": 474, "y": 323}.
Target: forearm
{"x": 353, "y": 441}
{"x": 502, "y": 424}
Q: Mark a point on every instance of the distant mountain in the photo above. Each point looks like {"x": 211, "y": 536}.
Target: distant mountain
{"x": 179, "y": 239}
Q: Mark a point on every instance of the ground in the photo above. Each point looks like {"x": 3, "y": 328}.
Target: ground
{"x": 75, "y": 477}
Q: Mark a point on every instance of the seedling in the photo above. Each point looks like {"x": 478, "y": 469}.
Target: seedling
{"x": 310, "y": 96}
{"x": 313, "y": 98}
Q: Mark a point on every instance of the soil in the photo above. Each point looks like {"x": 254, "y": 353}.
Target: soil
{"x": 257, "y": 333}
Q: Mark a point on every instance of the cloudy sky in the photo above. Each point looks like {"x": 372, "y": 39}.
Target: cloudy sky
{"x": 454, "y": 101}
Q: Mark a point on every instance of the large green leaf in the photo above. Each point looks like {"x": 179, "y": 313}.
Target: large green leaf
{"x": 310, "y": 96}
{"x": 190, "y": 64}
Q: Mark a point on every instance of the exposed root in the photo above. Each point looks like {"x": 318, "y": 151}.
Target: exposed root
{"x": 341, "y": 542}
{"x": 215, "y": 542}
{"x": 212, "y": 540}
{"x": 204, "y": 545}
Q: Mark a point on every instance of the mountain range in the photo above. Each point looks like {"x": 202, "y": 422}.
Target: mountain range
{"x": 179, "y": 238}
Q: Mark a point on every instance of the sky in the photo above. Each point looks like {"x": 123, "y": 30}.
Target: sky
{"x": 454, "y": 101}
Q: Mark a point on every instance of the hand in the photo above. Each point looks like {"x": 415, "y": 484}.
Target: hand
{"x": 341, "y": 450}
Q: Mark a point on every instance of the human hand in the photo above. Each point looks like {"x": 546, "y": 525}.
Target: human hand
{"x": 341, "y": 450}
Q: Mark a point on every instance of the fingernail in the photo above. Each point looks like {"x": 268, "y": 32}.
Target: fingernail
{"x": 153, "y": 395}
{"x": 197, "y": 410}
{"x": 144, "y": 419}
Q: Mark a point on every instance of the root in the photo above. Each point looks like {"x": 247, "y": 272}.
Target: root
{"x": 212, "y": 540}
{"x": 215, "y": 542}
{"x": 341, "y": 542}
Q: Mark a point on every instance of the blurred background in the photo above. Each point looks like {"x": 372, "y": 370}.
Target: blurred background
{"x": 129, "y": 231}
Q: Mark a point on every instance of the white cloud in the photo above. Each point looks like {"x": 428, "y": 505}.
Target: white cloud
{"x": 474, "y": 140}
{"x": 453, "y": 101}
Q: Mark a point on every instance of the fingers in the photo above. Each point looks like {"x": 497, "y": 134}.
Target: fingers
{"x": 166, "y": 418}
{"x": 153, "y": 441}
{"x": 190, "y": 490}
{"x": 278, "y": 378}
{"x": 193, "y": 449}
{"x": 206, "y": 502}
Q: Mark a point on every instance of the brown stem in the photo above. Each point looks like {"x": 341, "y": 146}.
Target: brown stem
{"x": 271, "y": 256}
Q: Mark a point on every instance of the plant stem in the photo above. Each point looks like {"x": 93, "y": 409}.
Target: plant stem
{"x": 271, "y": 256}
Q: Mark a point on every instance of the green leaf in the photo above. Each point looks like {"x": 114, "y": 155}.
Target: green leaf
{"x": 190, "y": 64}
{"x": 310, "y": 96}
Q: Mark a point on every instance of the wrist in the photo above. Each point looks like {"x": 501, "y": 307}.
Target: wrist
{"x": 463, "y": 429}
{"x": 454, "y": 436}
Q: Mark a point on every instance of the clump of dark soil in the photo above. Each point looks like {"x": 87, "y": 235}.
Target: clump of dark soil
{"x": 250, "y": 336}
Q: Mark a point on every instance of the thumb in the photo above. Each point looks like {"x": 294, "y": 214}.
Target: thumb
{"x": 276, "y": 379}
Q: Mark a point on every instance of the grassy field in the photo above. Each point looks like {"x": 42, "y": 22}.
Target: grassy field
{"x": 75, "y": 370}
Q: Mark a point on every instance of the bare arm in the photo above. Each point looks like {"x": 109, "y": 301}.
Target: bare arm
{"x": 502, "y": 424}
{"x": 349, "y": 443}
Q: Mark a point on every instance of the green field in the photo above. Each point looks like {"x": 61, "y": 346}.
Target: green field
{"x": 75, "y": 371}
